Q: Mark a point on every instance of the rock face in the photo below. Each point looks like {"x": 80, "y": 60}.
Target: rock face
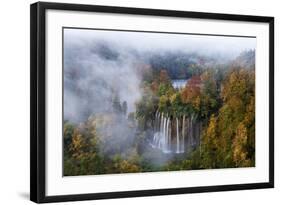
{"x": 176, "y": 134}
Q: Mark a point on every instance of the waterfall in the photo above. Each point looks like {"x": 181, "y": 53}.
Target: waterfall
{"x": 178, "y": 138}
{"x": 191, "y": 130}
{"x": 164, "y": 134}
{"x": 161, "y": 122}
{"x": 183, "y": 136}
{"x": 161, "y": 133}
{"x": 155, "y": 122}
{"x": 168, "y": 135}
{"x": 175, "y": 134}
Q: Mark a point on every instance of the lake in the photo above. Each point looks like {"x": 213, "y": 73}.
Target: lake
{"x": 179, "y": 83}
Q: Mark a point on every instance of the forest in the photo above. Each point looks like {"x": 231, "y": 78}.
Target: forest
{"x": 192, "y": 112}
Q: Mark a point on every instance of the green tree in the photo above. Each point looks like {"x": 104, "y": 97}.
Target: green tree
{"x": 233, "y": 129}
{"x": 211, "y": 145}
{"x": 209, "y": 96}
{"x": 83, "y": 158}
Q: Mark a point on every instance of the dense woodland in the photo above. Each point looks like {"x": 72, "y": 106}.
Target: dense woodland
{"x": 219, "y": 96}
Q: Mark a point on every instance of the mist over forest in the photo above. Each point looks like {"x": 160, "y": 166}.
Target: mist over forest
{"x": 98, "y": 66}
{"x": 137, "y": 102}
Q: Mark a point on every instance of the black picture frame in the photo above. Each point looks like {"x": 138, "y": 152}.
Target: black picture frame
{"x": 38, "y": 101}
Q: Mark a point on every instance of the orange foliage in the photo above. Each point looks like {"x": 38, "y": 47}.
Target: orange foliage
{"x": 191, "y": 92}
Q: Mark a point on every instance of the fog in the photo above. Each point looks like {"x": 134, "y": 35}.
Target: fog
{"x": 105, "y": 67}
{"x": 91, "y": 78}
{"x": 102, "y": 66}
{"x": 99, "y": 64}
{"x": 142, "y": 42}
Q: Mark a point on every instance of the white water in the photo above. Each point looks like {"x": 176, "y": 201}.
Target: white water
{"x": 175, "y": 135}
{"x": 168, "y": 134}
{"x": 183, "y": 129}
{"x": 178, "y": 84}
{"x": 162, "y": 136}
{"x": 178, "y": 138}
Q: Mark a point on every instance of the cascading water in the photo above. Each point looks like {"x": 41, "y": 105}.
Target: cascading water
{"x": 183, "y": 133}
{"x": 162, "y": 127}
{"x": 178, "y": 138}
{"x": 167, "y": 136}
{"x": 175, "y": 134}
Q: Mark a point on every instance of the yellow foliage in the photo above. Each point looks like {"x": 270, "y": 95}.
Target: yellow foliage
{"x": 125, "y": 166}
{"x": 196, "y": 102}
{"x": 238, "y": 146}
{"x": 211, "y": 133}
{"x": 77, "y": 142}
{"x": 173, "y": 98}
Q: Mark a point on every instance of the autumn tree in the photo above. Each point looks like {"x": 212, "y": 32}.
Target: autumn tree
{"x": 146, "y": 107}
{"x": 191, "y": 93}
{"x": 211, "y": 145}
{"x": 209, "y": 96}
{"x": 83, "y": 152}
{"x": 239, "y": 146}
{"x": 234, "y": 124}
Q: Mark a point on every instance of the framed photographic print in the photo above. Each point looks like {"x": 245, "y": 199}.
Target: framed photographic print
{"x": 129, "y": 102}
